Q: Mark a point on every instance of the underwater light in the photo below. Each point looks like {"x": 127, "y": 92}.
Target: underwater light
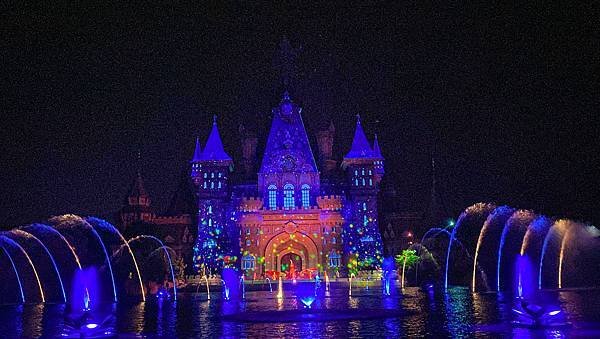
{"x": 91, "y": 326}
{"x": 307, "y": 301}
{"x": 554, "y": 312}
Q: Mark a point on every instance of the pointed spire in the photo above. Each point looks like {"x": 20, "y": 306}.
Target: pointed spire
{"x": 197, "y": 151}
{"x": 360, "y": 144}
{"x": 376, "y": 150}
{"x": 214, "y": 146}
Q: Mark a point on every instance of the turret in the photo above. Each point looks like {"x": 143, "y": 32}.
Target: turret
{"x": 137, "y": 204}
{"x": 363, "y": 164}
{"x": 210, "y": 173}
{"x": 362, "y": 239}
{"x": 210, "y": 168}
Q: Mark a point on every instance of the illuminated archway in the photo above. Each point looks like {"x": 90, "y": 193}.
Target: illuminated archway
{"x": 297, "y": 243}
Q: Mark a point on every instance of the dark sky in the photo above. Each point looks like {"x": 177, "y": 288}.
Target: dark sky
{"x": 506, "y": 98}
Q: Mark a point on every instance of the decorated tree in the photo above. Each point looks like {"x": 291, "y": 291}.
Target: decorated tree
{"x": 407, "y": 257}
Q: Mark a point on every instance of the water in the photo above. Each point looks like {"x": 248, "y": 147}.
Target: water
{"x": 458, "y": 313}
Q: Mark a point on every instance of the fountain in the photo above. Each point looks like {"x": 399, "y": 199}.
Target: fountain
{"x": 85, "y": 319}
{"x": 490, "y": 234}
{"x": 280, "y": 289}
{"x": 207, "y": 287}
{"x": 71, "y": 222}
{"x": 471, "y": 216}
{"x": 16, "y": 272}
{"x": 166, "y": 251}
{"x": 22, "y": 234}
{"x": 530, "y": 310}
{"x": 504, "y": 237}
{"x": 225, "y": 290}
{"x": 243, "y": 286}
{"x": 22, "y": 250}
{"x": 102, "y": 224}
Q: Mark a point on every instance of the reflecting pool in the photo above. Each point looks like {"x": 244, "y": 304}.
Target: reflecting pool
{"x": 366, "y": 313}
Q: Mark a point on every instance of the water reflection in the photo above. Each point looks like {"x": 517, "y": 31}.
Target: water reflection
{"x": 430, "y": 313}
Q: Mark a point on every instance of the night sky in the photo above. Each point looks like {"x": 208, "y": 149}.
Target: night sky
{"x": 506, "y": 99}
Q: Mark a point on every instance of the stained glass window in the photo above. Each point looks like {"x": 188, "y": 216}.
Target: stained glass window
{"x": 305, "y": 195}
{"x": 288, "y": 196}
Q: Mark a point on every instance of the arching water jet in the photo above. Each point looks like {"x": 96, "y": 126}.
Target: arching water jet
{"x": 95, "y": 222}
{"x": 54, "y": 265}
{"x": 493, "y": 223}
{"x": 561, "y": 257}
{"x": 138, "y": 238}
{"x": 16, "y": 272}
{"x": 477, "y": 210}
{"x": 37, "y": 278}
{"x": 518, "y": 222}
{"x": 72, "y": 221}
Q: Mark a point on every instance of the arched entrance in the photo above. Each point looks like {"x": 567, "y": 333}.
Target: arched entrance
{"x": 285, "y": 245}
{"x": 290, "y": 260}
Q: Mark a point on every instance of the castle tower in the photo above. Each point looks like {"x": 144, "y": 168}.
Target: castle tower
{"x": 364, "y": 171}
{"x": 210, "y": 173}
{"x": 137, "y": 205}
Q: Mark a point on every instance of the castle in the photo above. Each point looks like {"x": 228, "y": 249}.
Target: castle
{"x": 314, "y": 214}
{"x": 296, "y": 214}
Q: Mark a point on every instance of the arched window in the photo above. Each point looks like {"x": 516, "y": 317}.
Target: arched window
{"x": 334, "y": 240}
{"x": 272, "y": 196}
{"x": 334, "y": 259}
{"x": 363, "y": 181}
{"x": 219, "y": 186}
{"x": 288, "y": 196}
{"x": 370, "y": 182}
{"x": 212, "y": 185}
{"x": 248, "y": 262}
{"x": 305, "y": 195}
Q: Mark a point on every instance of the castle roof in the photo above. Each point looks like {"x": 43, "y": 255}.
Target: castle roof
{"x": 197, "y": 151}
{"x": 376, "y": 149}
{"x": 214, "y": 146}
{"x": 360, "y": 144}
{"x": 288, "y": 148}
